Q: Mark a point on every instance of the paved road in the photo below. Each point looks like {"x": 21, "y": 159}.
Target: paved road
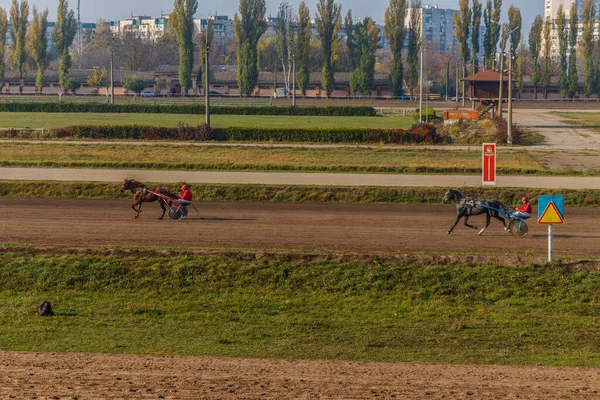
{"x": 287, "y": 178}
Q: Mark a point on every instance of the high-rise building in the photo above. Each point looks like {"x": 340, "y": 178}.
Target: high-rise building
{"x": 551, "y": 8}
{"x": 438, "y": 31}
{"x": 551, "y": 12}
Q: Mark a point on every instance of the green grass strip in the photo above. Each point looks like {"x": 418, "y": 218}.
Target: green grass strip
{"x": 311, "y": 194}
{"x": 312, "y": 309}
{"x": 241, "y": 158}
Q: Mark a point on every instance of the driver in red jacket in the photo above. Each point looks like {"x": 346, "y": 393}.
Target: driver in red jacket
{"x": 186, "y": 196}
{"x": 525, "y": 211}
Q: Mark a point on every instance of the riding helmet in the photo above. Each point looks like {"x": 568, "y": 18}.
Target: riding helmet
{"x": 525, "y": 198}
{"x": 184, "y": 187}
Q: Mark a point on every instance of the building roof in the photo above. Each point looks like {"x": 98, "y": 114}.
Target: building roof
{"x": 485, "y": 76}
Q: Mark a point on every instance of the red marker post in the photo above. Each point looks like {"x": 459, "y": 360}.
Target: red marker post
{"x": 489, "y": 164}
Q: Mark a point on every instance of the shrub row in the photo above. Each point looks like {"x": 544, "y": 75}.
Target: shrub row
{"x": 60, "y": 107}
{"x": 418, "y": 134}
{"x": 282, "y": 193}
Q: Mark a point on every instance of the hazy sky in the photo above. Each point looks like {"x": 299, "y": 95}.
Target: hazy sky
{"x": 91, "y": 10}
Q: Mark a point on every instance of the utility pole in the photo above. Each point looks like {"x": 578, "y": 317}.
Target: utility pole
{"x": 112, "y": 80}
{"x": 294, "y": 80}
{"x": 464, "y": 70}
{"x": 206, "y": 88}
{"x": 510, "y": 72}
{"x": 500, "y": 99}
{"x": 447, "y": 78}
{"x": 421, "y": 89}
{"x": 457, "y": 77}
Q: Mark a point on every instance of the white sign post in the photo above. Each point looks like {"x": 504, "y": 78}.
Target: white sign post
{"x": 551, "y": 211}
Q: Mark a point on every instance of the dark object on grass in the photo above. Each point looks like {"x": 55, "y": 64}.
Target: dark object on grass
{"x": 45, "y": 309}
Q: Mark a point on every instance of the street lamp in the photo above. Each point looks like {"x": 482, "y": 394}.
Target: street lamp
{"x": 510, "y": 71}
{"x": 421, "y": 88}
{"x": 112, "y": 81}
{"x": 206, "y": 87}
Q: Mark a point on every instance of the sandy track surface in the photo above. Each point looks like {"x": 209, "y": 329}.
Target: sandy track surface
{"x": 98, "y": 376}
{"x": 313, "y": 227}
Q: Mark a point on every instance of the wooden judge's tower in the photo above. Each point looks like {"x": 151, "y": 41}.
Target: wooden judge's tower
{"x": 485, "y": 90}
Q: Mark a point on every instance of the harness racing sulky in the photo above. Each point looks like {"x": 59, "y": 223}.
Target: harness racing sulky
{"x": 166, "y": 199}
{"x": 467, "y": 206}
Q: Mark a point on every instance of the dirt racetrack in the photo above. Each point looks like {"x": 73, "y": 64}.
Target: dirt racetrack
{"x": 97, "y": 376}
{"x": 312, "y": 227}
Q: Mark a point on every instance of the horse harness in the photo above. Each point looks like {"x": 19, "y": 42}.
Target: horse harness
{"x": 470, "y": 203}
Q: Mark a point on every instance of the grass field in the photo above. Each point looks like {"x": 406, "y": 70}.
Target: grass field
{"x": 286, "y": 307}
{"x": 591, "y": 120}
{"x": 58, "y": 120}
{"x": 260, "y": 158}
{"x": 293, "y": 193}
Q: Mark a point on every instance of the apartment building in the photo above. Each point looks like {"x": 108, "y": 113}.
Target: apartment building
{"x": 437, "y": 29}
{"x": 551, "y": 12}
{"x": 143, "y": 26}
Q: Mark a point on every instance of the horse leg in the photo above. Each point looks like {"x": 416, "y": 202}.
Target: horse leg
{"x": 467, "y": 223}
{"x": 499, "y": 218}
{"x": 162, "y": 205}
{"x": 487, "y": 223}
{"x": 137, "y": 210}
{"x": 458, "y": 217}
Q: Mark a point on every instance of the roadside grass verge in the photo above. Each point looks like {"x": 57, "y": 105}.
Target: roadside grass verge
{"x": 277, "y": 308}
{"x": 590, "y": 120}
{"x": 296, "y": 193}
{"x": 340, "y": 159}
{"x": 59, "y": 120}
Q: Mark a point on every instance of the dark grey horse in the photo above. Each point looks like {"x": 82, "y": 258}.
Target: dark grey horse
{"x": 467, "y": 206}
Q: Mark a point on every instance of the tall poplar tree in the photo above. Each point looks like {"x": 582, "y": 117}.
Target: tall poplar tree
{"x": 249, "y": 26}
{"x": 303, "y": 36}
{"x": 328, "y": 24}
{"x": 563, "y": 44}
{"x": 182, "y": 21}
{"x": 18, "y": 17}
{"x": 366, "y": 39}
{"x": 395, "y": 32}
{"x": 63, "y": 35}
{"x": 589, "y": 19}
{"x": 285, "y": 45}
{"x": 520, "y": 69}
{"x": 515, "y": 23}
{"x": 37, "y": 45}
{"x": 3, "y": 30}
{"x": 477, "y": 11}
{"x": 462, "y": 24}
{"x": 351, "y": 40}
{"x": 573, "y": 77}
{"x": 491, "y": 18}
{"x": 547, "y": 74}
{"x": 535, "y": 47}
{"x": 414, "y": 34}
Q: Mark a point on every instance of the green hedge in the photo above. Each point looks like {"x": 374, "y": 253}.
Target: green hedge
{"x": 419, "y": 134}
{"x": 60, "y": 107}
{"x": 294, "y": 193}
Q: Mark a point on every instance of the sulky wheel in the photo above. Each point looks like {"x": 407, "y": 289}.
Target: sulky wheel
{"x": 518, "y": 228}
{"x": 175, "y": 213}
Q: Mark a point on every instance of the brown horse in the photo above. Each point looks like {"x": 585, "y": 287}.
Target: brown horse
{"x": 141, "y": 194}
